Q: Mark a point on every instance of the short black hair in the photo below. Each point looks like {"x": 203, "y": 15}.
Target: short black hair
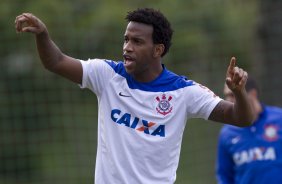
{"x": 251, "y": 84}
{"x": 162, "y": 32}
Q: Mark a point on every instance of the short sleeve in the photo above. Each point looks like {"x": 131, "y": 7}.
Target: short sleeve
{"x": 200, "y": 101}
{"x": 96, "y": 75}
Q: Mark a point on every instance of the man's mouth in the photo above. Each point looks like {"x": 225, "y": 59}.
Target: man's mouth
{"x": 127, "y": 59}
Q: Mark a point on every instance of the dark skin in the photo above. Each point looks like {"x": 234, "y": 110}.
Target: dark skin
{"x": 142, "y": 60}
{"x": 241, "y": 110}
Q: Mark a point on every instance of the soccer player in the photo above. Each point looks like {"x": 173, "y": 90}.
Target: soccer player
{"x": 251, "y": 155}
{"x": 143, "y": 106}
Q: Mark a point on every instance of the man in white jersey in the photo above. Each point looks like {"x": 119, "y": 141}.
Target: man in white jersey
{"x": 143, "y": 107}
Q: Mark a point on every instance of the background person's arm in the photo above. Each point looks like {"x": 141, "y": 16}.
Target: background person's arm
{"x": 225, "y": 173}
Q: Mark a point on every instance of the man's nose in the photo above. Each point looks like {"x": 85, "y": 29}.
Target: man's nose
{"x": 127, "y": 46}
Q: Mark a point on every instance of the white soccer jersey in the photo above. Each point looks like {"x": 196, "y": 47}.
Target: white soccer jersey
{"x": 140, "y": 125}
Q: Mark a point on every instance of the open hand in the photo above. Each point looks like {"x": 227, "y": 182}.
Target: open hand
{"x": 27, "y": 22}
{"x": 236, "y": 77}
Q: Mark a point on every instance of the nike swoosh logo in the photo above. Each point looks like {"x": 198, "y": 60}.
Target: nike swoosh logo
{"x": 235, "y": 140}
{"x": 121, "y": 94}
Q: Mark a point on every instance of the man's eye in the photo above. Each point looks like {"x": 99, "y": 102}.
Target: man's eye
{"x": 137, "y": 41}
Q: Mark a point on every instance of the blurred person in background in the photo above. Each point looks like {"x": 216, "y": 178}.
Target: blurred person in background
{"x": 143, "y": 107}
{"x": 251, "y": 155}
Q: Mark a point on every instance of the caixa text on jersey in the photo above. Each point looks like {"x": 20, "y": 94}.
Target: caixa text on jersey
{"x": 142, "y": 125}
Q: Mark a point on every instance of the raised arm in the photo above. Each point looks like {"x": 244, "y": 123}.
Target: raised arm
{"x": 51, "y": 56}
{"x": 241, "y": 112}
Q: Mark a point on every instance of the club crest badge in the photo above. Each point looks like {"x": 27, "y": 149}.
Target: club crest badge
{"x": 270, "y": 133}
{"x": 164, "y": 107}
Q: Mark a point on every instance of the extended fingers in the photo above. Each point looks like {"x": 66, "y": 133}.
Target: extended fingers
{"x": 19, "y": 22}
{"x": 24, "y": 20}
{"x": 230, "y": 69}
{"x": 235, "y": 77}
{"x": 244, "y": 79}
{"x": 232, "y": 64}
{"x": 27, "y": 22}
{"x": 240, "y": 76}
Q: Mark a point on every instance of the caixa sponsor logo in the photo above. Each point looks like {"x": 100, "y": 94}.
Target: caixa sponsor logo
{"x": 254, "y": 154}
{"x": 137, "y": 123}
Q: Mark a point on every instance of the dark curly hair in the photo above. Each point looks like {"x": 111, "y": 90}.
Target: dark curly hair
{"x": 251, "y": 84}
{"x": 162, "y": 32}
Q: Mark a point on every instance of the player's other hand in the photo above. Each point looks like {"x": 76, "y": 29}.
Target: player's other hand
{"x": 236, "y": 77}
{"x": 27, "y": 22}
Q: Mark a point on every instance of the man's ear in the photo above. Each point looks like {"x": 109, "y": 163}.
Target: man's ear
{"x": 158, "y": 50}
